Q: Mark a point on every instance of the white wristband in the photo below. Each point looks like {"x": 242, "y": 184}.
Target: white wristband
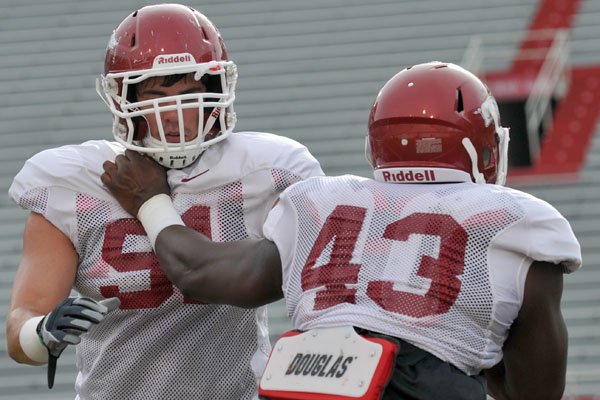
{"x": 30, "y": 341}
{"x": 156, "y": 214}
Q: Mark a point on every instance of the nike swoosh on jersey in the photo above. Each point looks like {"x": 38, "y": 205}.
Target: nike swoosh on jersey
{"x": 194, "y": 177}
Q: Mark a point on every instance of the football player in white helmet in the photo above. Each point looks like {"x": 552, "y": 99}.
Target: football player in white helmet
{"x": 170, "y": 87}
{"x": 422, "y": 283}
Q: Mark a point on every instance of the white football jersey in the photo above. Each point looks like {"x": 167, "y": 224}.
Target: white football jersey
{"x": 160, "y": 345}
{"x": 442, "y": 266}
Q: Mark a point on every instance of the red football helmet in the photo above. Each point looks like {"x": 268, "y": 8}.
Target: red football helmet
{"x": 161, "y": 40}
{"x": 436, "y": 122}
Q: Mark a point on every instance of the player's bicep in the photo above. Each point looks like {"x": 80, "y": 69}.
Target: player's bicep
{"x": 535, "y": 352}
{"x": 47, "y": 267}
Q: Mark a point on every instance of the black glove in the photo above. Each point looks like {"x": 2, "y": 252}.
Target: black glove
{"x": 73, "y": 317}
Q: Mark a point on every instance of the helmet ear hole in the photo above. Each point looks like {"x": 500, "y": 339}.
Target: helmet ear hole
{"x": 459, "y": 101}
{"x": 486, "y": 156}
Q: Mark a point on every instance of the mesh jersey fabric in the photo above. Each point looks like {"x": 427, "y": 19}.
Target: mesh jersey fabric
{"x": 160, "y": 345}
{"x": 442, "y": 266}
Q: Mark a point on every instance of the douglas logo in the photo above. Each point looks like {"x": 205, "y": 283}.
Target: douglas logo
{"x": 319, "y": 365}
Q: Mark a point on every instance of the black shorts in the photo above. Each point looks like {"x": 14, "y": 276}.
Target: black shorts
{"x": 419, "y": 375}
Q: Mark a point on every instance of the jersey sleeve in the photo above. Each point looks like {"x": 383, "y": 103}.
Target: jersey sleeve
{"x": 552, "y": 238}
{"x": 49, "y": 181}
{"x": 544, "y": 234}
{"x": 279, "y": 162}
{"x": 289, "y": 161}
{"x": 296, "y": 165}
{"x": 41, "y": 186}
{"x": 281, "y": 227}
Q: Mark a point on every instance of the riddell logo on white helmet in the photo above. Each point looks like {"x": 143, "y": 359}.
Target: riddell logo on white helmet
{"x": 170, "y": 60}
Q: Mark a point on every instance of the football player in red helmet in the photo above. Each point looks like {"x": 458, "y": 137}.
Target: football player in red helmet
{"x": 422, "y": 283}
{"x": 441, "y": 118}
{"x": 171, "y": 91}
{"x": 170, "y": 87}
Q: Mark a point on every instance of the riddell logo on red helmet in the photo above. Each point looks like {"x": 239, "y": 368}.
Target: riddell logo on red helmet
{"x": 421, "y": 175}
{"x": 426, "y": 175}
{"x": 172, "y": 59}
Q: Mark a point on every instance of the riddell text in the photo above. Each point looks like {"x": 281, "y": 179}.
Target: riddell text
{"x": 174, "y": 59}
{"x": 409, "y": 176}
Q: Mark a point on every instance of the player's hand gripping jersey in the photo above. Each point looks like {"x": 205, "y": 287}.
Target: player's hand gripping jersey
{"x": 226, "y": 195}
{"x": 440, "y": 266}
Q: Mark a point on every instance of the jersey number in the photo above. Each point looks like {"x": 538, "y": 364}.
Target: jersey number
{"x": 344, "y": 225}
{"x": 197, "y": 218}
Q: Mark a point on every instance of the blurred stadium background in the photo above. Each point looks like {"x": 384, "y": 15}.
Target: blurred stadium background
{"x": 310, "y": 70}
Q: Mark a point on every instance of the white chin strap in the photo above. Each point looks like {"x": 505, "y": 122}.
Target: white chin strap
{"x": 491, "y": 114}
{"x": 210, "y": 121}
{"x": 504, "y": 135}
{"x": 368, "y": 152}
{"x": 479, "y": 178}
{"x": 502, "y": 167}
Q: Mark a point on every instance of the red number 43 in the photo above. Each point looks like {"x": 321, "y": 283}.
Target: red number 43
{"x": 338, "y": 276}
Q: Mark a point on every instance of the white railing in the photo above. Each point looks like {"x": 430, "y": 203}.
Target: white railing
{"x": 551, "y": 81}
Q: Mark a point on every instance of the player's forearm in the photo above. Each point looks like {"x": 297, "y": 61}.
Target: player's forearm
{"x": 244, "y": 273}
{"x": 497, "y": 386}
{"x": 535, "y": 373}
{"x": 501, "y": 387}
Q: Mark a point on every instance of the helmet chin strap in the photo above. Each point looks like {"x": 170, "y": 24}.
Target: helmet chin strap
{"x": 479, "y": 178}
{"x": 210, "y": 121}
{"x": 368, "y": 152}
{"x": 491, "y": 114}
{"x": 504, "y": 138}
